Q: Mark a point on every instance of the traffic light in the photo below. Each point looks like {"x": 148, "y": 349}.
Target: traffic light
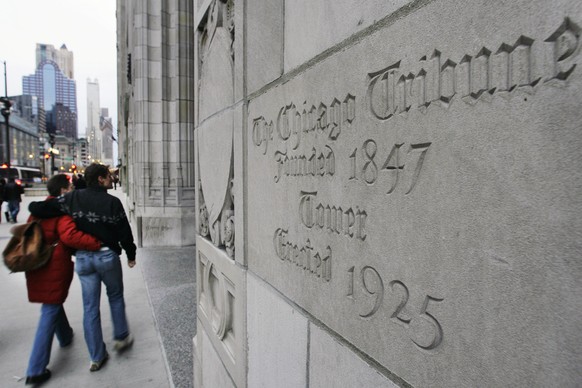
{"x": 5, "y": 110}
{"x": 47, "y": 155}
{"x": 74, "y": 167}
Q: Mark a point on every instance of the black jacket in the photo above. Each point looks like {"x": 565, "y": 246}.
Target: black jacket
{"x": 95, "y": 212}
{"x": 80, "y": 183}
{"x": 12, "y": 192}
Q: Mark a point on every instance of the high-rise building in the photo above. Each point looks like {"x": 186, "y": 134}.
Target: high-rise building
{"x": 82, "y": 159}
{"x": 93, "y": 131}
{"x": 62, "y": 57}
{"x": 107, "y": 137}
{"x": 23, "y": 140}
{"x": 56, "y": 93}
{"x": 25, "y": 106}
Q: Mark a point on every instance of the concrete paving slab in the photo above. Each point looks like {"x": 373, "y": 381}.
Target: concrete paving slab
{"x": 171, "y": 282}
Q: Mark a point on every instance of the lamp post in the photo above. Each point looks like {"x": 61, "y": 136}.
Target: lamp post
{"x": 42, "y": 154}
{"x": 52, "y": 152}
{"x": 6, "y": 113}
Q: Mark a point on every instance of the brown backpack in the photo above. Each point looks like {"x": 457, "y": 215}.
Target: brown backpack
{"x": 26, "y": 250}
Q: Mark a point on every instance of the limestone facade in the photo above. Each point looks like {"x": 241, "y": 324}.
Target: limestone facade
{"x": 386, "y": 193}
{"x": 156, "y": 118}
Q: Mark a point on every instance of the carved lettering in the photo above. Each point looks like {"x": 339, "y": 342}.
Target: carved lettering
{"x": 394, "y": 164}
{"x": 262, "y": 133}
{"x": 331, "y": 219}
{"x": 349, "y": 110}
{"x": 372, "y": 287}
{"x": 381, "y": 91}
{"x": 313, "y": 164}
{"x": 392, "y": 91}
{"x": 565, "y": 43}
{"x": 293, "y": 124}
{"x": 335, "y": 119}
{"x": 304, "y": 257}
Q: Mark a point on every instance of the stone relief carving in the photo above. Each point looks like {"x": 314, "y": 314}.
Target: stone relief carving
{"x": 227, "y": 222}
{"x": 220, "y": 15}
{"x": 215, "y": 148}
{"x": 220, "y": 230}
{"x": 216, "y": 302}
{"x": 223, "y": 227}
{"x": 203, "y": 218}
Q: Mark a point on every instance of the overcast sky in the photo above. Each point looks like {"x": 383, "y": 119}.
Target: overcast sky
{"x": 86, "y": 27}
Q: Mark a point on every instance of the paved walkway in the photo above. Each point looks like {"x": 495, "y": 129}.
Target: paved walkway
{"x": 160, "y": 299}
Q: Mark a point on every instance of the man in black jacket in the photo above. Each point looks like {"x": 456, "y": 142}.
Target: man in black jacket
{"x": 102, "y": 215}
{"x": 13, "y": 195}
{"x": 80, "y": 183}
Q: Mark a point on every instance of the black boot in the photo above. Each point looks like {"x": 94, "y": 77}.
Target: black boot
{"x": 38, "y": 379}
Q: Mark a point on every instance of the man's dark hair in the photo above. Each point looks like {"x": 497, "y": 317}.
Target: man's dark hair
{"x": 56, "y": 183}
{"x": 93, "y": 172}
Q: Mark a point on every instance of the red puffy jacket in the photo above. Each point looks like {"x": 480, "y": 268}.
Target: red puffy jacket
{"x": 50, "y": 284}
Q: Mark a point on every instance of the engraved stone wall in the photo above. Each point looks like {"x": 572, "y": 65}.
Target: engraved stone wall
{"x": 406, "y": 180}
{"x": 417, "y": 192}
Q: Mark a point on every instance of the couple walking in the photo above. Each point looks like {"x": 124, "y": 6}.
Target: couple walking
{"x": 94, "y": 223}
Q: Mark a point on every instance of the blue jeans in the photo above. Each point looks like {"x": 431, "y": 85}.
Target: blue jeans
{"x": 53, "y": 320}
{"x": 13, "y": 209}
{"x": 94, "y": 268}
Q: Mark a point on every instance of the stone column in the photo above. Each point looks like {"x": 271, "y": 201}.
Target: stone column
{"x": 157, "y": 115}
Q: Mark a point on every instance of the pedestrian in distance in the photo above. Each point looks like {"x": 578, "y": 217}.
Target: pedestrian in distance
{"x": 13, "y": 195}
{"x": 98, "y": 213}
{"x": 80, "y": 182}
{"x": 50, "y": 284}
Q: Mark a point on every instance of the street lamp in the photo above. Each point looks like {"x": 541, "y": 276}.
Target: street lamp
{"x": 52, "y": 152}
{"x": 44, "y": 156}
{"x": 6, "y": 113}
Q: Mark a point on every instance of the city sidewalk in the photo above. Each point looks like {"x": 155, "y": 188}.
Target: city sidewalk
{"x": 160, "y": 300}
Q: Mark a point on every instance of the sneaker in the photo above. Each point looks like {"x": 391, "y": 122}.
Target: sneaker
{"x": 38, "y": 379}
{"x": 121, "y": 345}
{"x": 96, "y": 365}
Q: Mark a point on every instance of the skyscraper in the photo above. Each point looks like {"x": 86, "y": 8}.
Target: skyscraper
{"x": 63, "y": 58}
{"x": 93, "y": 132}
{"x": 99, "y": 127}
{"x": 55, "y": 90}
{"x": 107, "y": 137}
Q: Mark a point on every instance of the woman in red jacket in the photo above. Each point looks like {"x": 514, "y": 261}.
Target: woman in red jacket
{"x": 49, "y": 285}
